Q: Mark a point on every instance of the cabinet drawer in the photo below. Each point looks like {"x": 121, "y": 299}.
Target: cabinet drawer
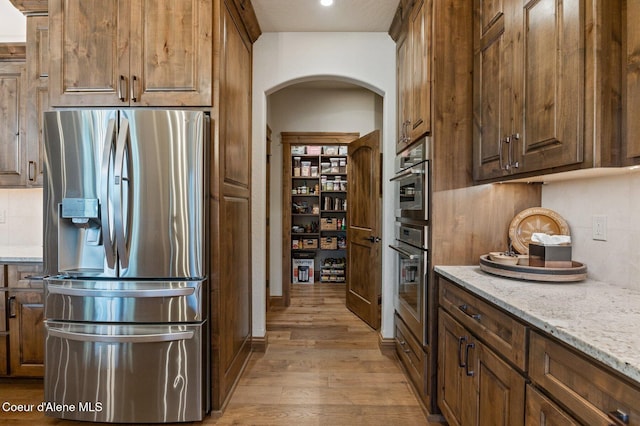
{"x": 592, "y": 394}
{"x": 410, "y": 353}
{"x": 541, "y": 411}
{"x": 19, "y": 275}
{"x": 497, "y": 329}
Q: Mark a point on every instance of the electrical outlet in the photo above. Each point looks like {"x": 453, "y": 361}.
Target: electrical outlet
{"x": 600, "y": 228}
{"x": 3, "y": 216}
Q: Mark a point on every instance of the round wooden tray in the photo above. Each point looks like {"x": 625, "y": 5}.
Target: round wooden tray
{"x": 534, "y": 273}
{"x": 535, "y": 219}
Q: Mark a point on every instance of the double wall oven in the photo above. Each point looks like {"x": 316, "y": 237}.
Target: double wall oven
{"x": 412, "y": 237}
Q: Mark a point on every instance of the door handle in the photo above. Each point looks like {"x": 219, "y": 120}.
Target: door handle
{"x": 118, "y": 183}
{"x": 109, "y": 147}
{"x": 374, "y": 239}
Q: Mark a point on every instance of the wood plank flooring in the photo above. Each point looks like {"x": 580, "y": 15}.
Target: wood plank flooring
{"x": 322, "y": 366}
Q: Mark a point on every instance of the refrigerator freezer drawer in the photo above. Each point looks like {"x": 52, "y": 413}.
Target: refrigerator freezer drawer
{"x": 124, "y": 373}
{"x": 124, "y": 301}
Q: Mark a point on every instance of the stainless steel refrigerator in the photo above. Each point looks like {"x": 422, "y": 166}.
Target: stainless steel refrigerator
{"x": 125, "y": 253}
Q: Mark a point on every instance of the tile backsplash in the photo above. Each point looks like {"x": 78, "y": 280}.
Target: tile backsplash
{"x": 21, "y": 218}
{"x": 616, "y": 260}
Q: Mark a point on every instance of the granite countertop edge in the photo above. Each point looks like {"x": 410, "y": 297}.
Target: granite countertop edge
{"x": 474, "y": 280}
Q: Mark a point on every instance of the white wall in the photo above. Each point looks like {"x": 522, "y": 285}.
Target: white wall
{"x": 281, "y": 59}
{"x": 13, "y": 24}
{"x": 311, "y": 110}
{"x": 616, "y": 260}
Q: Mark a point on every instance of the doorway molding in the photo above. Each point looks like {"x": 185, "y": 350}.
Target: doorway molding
{"x": 367, "y": 60}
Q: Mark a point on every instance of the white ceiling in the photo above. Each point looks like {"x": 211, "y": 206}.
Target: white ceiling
{"x": 310, "y": 16}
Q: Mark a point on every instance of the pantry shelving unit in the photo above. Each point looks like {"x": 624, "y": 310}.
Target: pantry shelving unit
{"x": 314, "y": 207}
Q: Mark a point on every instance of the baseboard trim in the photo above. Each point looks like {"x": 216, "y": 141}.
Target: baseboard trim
{"x": 387, "y": 345}
{"x": 276, "y": 301}
{"x": 259, "y": 344}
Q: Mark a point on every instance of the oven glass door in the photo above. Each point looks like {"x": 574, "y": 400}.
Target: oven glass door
{"x": 412, "y": 187}
{"x": 412, "y": 267}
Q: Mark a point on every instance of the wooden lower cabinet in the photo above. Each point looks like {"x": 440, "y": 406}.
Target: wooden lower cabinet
{"x": 541, "y": 411}
{"x": 475, "y": 385}
{"x": 22, "y": 342}
{"x": 415, "y": 359}
{"x": 481, "y": 379}
{"x": 591, "y": 393}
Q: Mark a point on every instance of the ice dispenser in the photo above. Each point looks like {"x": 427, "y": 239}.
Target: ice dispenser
{"x": 80, "y": 236}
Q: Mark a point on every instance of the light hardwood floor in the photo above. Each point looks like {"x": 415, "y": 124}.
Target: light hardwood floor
{"x": 322, "y": 366}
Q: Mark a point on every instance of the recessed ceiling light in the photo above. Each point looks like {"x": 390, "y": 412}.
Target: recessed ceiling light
{"x": 326, "y": 2}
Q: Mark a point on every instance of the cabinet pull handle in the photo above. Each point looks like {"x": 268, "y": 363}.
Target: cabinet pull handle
{"x": 461, "y": 340}
{"x": 120, "y": 91}
{"x": 12, "y": 306}
{"x": 32, "y": 171}
{"x": 464, "y": 308}
{"x": 514, "y": 164}
{"x": 619, "y": 417}
{"x": 134, "y": 79}
{"x": 471, "y": 345}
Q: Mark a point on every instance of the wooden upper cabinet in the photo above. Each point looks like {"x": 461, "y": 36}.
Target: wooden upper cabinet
{"x": 37, "y": 99}
{"x": 12, "y": 140}
{"x": 414, "y": 76}
{"x": 419, "y": 33}
{"x": 529, "y": 70}
{"x": 131, "y": 52}
{"x": 492, "y": 90}
{"x": 632, "y": 137}
{"x": 550, "y": 110}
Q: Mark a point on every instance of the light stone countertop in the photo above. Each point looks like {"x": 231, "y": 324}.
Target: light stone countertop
{"x": 9, "y": 254}
{"x": 599, "y": 319}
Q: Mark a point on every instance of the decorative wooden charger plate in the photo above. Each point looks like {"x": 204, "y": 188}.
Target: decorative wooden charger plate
{"x": 535, "y": 219}
{"x": 534, "y": 273}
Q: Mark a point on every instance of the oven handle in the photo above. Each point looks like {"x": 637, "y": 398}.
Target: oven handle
{"x": 405, "y": 252}
{"x": 412, "y": 171}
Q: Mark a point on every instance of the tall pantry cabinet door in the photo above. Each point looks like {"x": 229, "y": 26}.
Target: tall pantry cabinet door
{"x": 38, "y": 94}
{"x": 420, "y": 34}
{"x": 89, "y": 43}
{"x": 551, "y": 71}
{"x": 492, "y": 105}
{"x": 633, "y": 80}
{"x": 12, "y": 140}
{"x": 171, "y": 53}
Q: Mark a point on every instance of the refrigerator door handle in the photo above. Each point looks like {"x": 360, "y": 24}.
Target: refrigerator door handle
{"x": 119, "y": 182}
{"x": 163, "y": 292}
{"x": 105, "y": 195}
{"x": 114, "y": 338}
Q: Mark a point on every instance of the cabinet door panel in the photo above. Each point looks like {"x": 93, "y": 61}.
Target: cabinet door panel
{"x": 89, "y": 51}
{"x": 38, "y": 94}
{"x": 171, "y": 52}
{"x": 26, "y": 332}
{"x": 12, "y": 148}
{"x": 633, "y": 80}
{"x": 553, "y": 71}
{"x": 491, "y": 97}
{"x": 420, "y": 28}
{"x": 500, "y": 390}
{"x": 452, "y": 338}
